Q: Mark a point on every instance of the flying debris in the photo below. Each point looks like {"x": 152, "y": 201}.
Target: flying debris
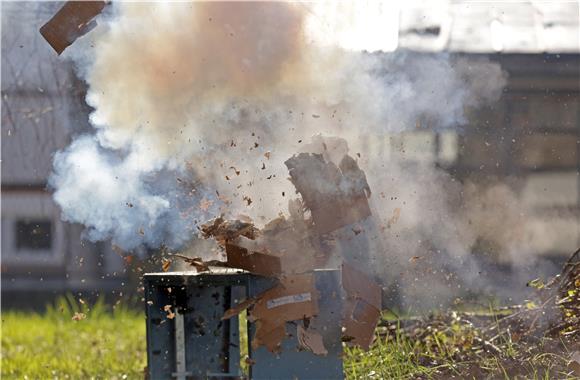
{"x": 73, "y": 20}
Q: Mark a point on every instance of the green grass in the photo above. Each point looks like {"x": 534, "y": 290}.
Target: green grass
{"x": 110, "y": 344}
{"x": 107, "y": 344}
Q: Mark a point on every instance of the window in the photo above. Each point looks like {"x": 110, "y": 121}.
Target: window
{"x": 34, "y": 235}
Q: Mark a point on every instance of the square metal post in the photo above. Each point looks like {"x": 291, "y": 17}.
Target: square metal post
{"x": 195, "y": 343}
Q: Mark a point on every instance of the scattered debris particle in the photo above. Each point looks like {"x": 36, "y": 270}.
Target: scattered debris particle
{"x": 199, "y": 264}
{"x": 227, "y": 230}
{"x": 394, "y": 218}
{"x": 165, "y": 264}
{"x": 205, "y": 204}
{"x": 79, "y": 316}
{"x": 167, "y": 309}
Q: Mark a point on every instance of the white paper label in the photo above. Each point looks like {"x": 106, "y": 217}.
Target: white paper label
{"x": 295, "y": 298}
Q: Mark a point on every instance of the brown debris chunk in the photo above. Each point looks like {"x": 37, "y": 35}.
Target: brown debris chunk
{"x": 361, "y": 312}
{"x": 310, "y": 340}
{"x": 72, "y": 21}
{"x": 231, "y": 312}
{"x": 255, "y": 262}
{"x": 165, "y": 264}
{"x": 269, "y": 336}
{"x": 293, "y": 299}
{"x": 227, "y": 230}
{"x": 199, "y": 264}
{"x": 336, "y": 195}
{"x": 167, "y": 309}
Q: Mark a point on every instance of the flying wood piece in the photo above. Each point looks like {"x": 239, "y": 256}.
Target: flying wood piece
{"x": 199, "y": 264}
{"x": 72, "y": 21}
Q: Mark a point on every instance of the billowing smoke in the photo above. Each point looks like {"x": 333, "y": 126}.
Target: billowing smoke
{"x": 198, "y": 105}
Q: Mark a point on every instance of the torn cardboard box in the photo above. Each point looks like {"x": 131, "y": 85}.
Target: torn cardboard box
{"x": 294, "y": 298}
{"x": 335, "y": 190}
{"x": 73, "y": 20}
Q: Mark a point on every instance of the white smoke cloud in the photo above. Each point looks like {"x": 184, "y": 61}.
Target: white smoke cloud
{"x": 197, "y": 106}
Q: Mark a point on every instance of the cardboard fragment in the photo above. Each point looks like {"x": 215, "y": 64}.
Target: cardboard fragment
{"x": 359, "y": 323}
{"x": 335, "y": 195}
{"x": 72, "y": 21}
{"x": 270, "y": 336}
{"x": 362, "y": 308}
{"x": 239, "y": 308}
{"x": 199, "y": 264}
{"x": 310, "y": 340}
{"x": 293, "y": 299}
{"x": 224, "y": 231}
{"x": 358, "y": 285}
{"x": 301, "y": 292}
{"x": 285, "y": 300}
{"x": 255, "y": 262}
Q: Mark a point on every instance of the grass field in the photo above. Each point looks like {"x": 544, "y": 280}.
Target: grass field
{"x": 107, "y": 344}
{"x": 110, "y": 344}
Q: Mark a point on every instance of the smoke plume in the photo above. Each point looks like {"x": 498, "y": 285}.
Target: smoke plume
{"x": 198, "y": 105}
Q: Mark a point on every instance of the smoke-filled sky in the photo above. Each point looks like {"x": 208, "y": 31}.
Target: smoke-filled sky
{"x": 198, "y": 105}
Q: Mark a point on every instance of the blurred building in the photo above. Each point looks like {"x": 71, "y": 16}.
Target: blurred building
{"x": 42, "y": 106}
{"x": 531, "y": 136}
